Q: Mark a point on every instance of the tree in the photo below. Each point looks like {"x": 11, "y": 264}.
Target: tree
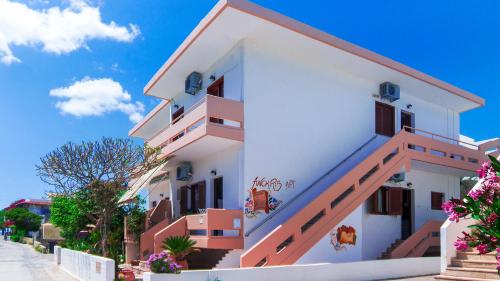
{"x": 24, "y": 220}
{"x": 67, "y": 214}
{"x": 97, "y": 173}
{"x": 483, "y": 205}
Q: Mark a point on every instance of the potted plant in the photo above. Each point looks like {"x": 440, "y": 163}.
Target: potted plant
{"x": 179, "y": 247}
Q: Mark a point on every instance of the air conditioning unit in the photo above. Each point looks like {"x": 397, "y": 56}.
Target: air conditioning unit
{"x": 389, "y": 91}
{"x": 184, "y": 171}
{"x": 399, "y": 177}
{"x": 193, "y": 83}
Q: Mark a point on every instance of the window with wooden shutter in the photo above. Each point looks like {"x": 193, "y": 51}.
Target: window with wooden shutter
{"x": 436, "y": 200}
{"x": 378, "y": 201}
{"x": 387, "y": 201}
{"x": 394, "y": 201}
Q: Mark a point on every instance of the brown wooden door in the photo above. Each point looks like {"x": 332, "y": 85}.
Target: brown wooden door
{"x": 395, "y": 201}
{"x": 384, "y": 119}
{"x": 216, "y": 89}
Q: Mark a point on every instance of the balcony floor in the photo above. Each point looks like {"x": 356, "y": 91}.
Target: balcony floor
{"x": 201, "y": 148}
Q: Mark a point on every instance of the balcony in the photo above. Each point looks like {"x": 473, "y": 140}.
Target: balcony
{"x": 215, "y": 229}
{"x": 212, "y": 124}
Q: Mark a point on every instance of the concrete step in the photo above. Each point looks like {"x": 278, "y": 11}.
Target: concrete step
{"x": 483, "y": 273}
{"x": 455, "y": 278}
{"x": 476, "y": 256}
{"x": 474, "y": 263}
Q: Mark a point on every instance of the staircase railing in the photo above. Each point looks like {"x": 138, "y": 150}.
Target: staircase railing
{"x": 416, "y": 245}
{"x": 290, "y": 240}
{"x": 305, "y": 190}
{"x": 216, "y": 229}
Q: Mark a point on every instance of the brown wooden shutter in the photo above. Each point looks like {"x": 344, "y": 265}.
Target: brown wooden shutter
{"x": 394, "y": 201}
{"x": 183, "y": 202}
{"x": 202, "y": 193}
{"x": 436, "y": 200}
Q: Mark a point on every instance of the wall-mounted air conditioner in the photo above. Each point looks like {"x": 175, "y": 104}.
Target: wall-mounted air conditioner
{"x": 184, "y": 171}
{"x": 193, "y": 83}
{"x": 389, "y": 91}
{"x": 399, "y": 177}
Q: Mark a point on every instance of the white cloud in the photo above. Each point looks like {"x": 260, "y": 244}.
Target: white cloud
{"x": 95, "y": 97}
{"x": 56, "y": 30}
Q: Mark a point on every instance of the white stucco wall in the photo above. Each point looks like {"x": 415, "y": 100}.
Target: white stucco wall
{"x": 324, "y": 251}
{"x": 227, "y": 163}
{"x": 84, "y": 266}
{"x": 154, "y": 192}
{"x": 229, "y": 66}
{"x": 352, "y": 271}
{"x": 302, "y": 117}
{"x": 380, "y": 231}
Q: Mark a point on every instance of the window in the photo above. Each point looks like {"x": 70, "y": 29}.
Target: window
{"x": 387, "y": 201}
{"x": 436, "y": 200}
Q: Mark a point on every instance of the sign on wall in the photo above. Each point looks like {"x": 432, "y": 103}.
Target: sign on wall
{"x": 259, "y": 198}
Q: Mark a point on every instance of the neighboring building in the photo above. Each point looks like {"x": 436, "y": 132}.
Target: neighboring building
{"x": 289, "y": 147}
{"x": 40, "y": 207}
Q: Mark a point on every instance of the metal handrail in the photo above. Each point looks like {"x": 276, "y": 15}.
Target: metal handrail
{"x": 286, "y": 204}
{"x": 414, "y": 130}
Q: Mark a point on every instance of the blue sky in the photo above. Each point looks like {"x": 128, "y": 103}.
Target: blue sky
{"x": 454, "y": 40}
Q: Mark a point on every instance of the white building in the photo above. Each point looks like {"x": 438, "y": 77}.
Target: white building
{"x": 289, "y": 147}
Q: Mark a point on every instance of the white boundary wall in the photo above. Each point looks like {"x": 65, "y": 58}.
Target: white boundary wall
{"x": 353, "y": 271}
{"x": 84, "y": 266}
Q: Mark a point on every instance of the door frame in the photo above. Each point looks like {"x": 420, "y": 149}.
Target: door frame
{"x": 393, "y": 110}
{"x": 411, "y": 193}
{"x": 215, "y": 193}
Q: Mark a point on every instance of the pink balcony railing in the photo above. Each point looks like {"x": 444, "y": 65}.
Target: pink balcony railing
{"x": 211, "y": 116}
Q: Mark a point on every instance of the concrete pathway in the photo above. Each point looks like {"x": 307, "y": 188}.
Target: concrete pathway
{"x": 19, "y": 262}
{"x": 419, "y": 278}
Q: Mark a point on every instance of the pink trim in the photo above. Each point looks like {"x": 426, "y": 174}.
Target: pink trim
{"x": 418, "y": 243}
{"x": 214, "y": 219}
{"x": 308, "y": 31}
{"x": 363, "y": 180}
{"x": 148, "y": 117}
{"x": 196, "y": 124}
{"x": 147, "y": 238}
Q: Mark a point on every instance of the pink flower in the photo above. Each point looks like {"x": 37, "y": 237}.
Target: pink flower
{"x": 482, "y": 248}
{"x": 492, "y": 218}
{"x": 461, "y": 245}
{"x": 475, "y": 194}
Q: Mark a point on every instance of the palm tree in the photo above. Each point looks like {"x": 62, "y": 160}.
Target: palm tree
{"x": 179, "y": 247}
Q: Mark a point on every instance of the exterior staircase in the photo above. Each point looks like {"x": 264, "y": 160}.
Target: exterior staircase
{"x": 471, "y": 266}
{"x": 423, "y": 242}
{"x": 387, "y": 254}
{"x": 286, "y": 243}
{"x": 230, "y": 260}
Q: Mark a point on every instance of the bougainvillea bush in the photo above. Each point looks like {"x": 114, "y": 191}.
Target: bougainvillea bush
{"x": 163, "y": 263}
{"x": 483, "y": 205}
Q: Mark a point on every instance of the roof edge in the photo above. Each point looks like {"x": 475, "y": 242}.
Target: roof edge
{"x": 149, "y": 116}
{"x": 311, "y": 32}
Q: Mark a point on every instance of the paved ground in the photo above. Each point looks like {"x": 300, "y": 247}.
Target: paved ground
{"x": 420, "y": 278}
{"x": 20, "y": 262}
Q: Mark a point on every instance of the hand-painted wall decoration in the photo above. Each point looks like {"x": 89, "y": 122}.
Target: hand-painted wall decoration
{"x": 345, "y": 235}
{"x": 260, "y": 201}
{"x": 259, "y": 198}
